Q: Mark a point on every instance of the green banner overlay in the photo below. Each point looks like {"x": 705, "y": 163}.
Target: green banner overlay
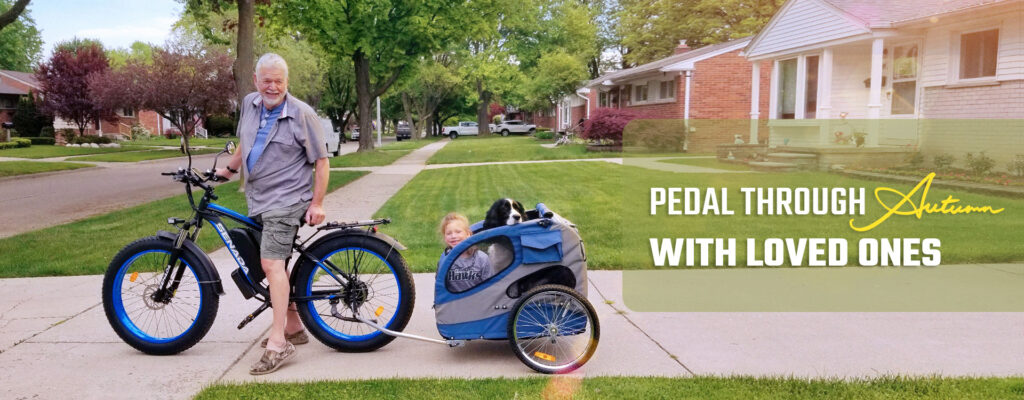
{"x": 703, "y": 230}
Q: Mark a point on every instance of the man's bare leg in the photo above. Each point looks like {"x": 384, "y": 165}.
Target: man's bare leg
{"x": 277, "y": 277}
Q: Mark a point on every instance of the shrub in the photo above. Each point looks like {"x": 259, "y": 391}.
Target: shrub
{"x": 28, "y": 119}
{"x": 944, "y": 161}
{"x": 980, "y": 164}
{"x": 915, "y": 160}
{"x": 607, "y": 124}
{"x": 140, "y": 132}
{"x": 220, "y": 125}
{"x": 42, "y": 140}
{"x": 1017, "y": 165}
{"x": 47, "y": 132}
{"x": 89, "y": 139}
{"x": 172, "y": 133}
{"x": 21, "y": 142}
{"x": 543, "y": 135}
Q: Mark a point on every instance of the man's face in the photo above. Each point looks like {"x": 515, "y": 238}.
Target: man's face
{"x": 272, "y": 83}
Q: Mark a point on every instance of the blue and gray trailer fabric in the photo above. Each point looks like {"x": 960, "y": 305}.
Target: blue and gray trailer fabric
{"x": 531, "y": 249}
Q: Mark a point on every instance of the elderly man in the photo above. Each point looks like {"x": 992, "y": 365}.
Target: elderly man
{"x": 281, "y": 143}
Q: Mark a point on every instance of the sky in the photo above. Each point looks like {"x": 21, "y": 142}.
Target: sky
{"x": 116, "y": 23}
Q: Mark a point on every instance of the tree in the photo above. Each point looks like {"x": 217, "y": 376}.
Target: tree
{"x": 557, "y": 75}
{"x": 27, "y": 118}
{"x": 651, "y": 29}
{"x": 339, "y": 94}
{"x": 381, "y": 38}
{"x": 137, "y": 51}
{"x": 435, "y": 80}
{"x": 245, "y": 60}
{"x": 12, "y": 13}
{"x": 180, "y": 84}
{"x": 20, "y": 41}
{"x": 64, "y": 81}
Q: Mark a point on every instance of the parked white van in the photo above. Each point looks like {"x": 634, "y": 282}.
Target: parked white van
{"x": 331, "y": 136}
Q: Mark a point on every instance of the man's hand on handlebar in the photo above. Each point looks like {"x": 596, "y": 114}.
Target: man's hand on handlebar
{"x": 222, "y": 175}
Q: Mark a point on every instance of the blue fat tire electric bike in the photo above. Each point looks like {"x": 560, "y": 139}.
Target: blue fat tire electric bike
{"x": 161, "y": 293}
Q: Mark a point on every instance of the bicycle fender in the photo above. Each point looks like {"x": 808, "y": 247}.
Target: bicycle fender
{"x": 200, "y": 255}
{"x": 359, "y": 232}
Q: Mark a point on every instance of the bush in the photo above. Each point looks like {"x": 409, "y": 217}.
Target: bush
{"x": 27, "y": 118}
{"x": 1017, "y": 165}
{"x": 608, "y": 124}
{"x": 47, "y": 132}
{"x": 42, "y": 140}
{"x": 543, "y": 135}
{"x": 15, "y": 142}
{"x": 944, "y": 162}
{"x": 88, "y": 139}
{"x": 172, "y": 133}
{"x": 915, "y": 160}
{"x": 218, "y": 125}
{"x": 980, "y": 164}
{"x": 140, "y": 132}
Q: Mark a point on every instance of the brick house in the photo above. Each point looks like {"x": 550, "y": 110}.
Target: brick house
{"x": 939, "y": 76}
{"x": 708, "y": 86}
{"x": 14, "y": 85}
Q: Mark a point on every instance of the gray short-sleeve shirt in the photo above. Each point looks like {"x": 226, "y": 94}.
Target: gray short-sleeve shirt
{"x": 283, "y": 174}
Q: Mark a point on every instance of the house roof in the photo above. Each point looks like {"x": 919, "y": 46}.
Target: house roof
{"x": 8, "y": 89}
{"x": 674, "y": 62}
{"x": 883, "y": 12}
{"x": 27, "y": 77}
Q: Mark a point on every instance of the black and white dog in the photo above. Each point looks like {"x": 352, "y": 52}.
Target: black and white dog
{"x": 504, "y": 212}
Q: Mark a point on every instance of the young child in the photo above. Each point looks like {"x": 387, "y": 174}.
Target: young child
{"x": 473, "y": 265}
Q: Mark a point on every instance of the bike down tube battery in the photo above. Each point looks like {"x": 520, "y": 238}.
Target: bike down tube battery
{"x": 408, "y": 336}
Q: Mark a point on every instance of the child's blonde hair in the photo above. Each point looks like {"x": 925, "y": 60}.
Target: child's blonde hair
{"x": 453, "y": 217}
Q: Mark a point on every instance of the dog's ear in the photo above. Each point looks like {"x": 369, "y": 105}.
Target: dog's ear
{"x": 519, "y": 207}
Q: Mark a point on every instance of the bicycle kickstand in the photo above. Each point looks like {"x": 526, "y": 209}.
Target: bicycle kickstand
{"x": 263, "y": 307}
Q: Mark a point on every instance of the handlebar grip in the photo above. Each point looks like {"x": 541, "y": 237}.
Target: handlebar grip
{"x": 218, "y": 178}
{"x": 168, "y": 173}
{"x": 543, "y": 211}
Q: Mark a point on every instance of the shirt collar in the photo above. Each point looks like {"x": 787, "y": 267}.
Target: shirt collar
{"x": 258, "y": 101}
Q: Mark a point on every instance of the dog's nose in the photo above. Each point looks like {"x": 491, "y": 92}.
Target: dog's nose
{"x": 516, "y": 217}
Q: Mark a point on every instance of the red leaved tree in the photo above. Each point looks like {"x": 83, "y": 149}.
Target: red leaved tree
{"x": 181, "y": 84}
{"x": 64, "y": 82}
{"x": 608, "y": 124}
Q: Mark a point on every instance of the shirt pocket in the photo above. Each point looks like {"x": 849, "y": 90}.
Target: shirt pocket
{"x": 281, "y": 150}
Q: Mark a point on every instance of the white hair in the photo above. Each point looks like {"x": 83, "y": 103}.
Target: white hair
{"x": 272, "y": 60}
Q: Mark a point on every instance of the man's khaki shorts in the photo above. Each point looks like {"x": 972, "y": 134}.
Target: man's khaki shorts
{"x": 279, "y": 229}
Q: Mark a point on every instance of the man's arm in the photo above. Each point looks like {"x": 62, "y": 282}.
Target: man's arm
{"x": 233, "y": 164}
{"x": 315, "y": 215}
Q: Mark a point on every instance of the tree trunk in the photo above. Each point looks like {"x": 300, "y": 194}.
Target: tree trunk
{"x": 245, "y": 60}
{"x": 363, "y": 99}
{"x": 483, "y": 124}
{"x": 407, "y": 108}
{"x": 12, "y": 13}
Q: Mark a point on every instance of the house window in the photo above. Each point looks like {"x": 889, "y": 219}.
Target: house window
{"x": 667, "y": 90}
{"x": 127, "y": 112}
{"x": 811, "y": 92}
{"x": 603, "y": 99}
{"x": 787, "y": 89}
{"x": 978, "y": 54}
{"x": 904, "y": 79}
{"x": 641, "y": 93}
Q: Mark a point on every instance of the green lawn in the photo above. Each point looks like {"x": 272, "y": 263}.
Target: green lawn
{"x": 606, "y": 199}
{"x": 384, "y": 155}
{"x": 511, "y": 148}
{"x": 162, "y": 141}
{"x": 706, "y": 163}
{"x": 629, "y": 388}
{"x": 11, "y": 168}
{"x": 142, "y": 155}
{"x": 47, "y": 151}
{"x": 86, "y": 247}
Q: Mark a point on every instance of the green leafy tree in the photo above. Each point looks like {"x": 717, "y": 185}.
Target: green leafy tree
{"x": 138, "y": 51}
{"x": 435, "y": 80}
{"x": 651, "y": 29}
{"x": 557, "y": 75}
{"x": 20, "y": 42}
{"x": 243, "y": 27}
{"x": 381, "y": 37}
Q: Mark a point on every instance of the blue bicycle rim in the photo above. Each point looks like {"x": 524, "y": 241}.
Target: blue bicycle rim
{"x": 127, "y": 321}
{"x": 323, "y": 324}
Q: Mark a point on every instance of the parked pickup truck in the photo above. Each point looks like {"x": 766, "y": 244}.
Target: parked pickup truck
{"x": 464, "y": 128}
{"x": 514, "y": 126}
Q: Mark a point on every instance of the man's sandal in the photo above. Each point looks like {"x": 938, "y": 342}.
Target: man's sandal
{"x": 299, "y": 337}
{"x": 272, "y": 360}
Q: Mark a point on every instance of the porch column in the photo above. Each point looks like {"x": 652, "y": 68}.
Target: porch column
{"x": 875, "y": 95}
{"x": 755, "y": 100}
{"x": 825, "y": 85}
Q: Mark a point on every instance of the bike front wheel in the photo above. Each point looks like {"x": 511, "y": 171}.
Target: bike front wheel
{"x": 378, "y": 286}
{"x": 144, "y": 317}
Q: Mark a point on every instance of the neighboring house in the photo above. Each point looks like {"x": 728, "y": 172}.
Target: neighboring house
{"x": 14, "y": 85}
{"x": 710, "y": 84}
{"x": 571, "y": 110}
{"x": 941, "y": 76}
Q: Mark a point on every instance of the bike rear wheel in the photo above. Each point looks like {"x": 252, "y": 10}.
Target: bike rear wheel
{"x": 154, "y": 324}
{"x": 382, "y": 291}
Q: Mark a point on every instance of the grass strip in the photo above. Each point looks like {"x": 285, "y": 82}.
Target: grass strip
{"x": 12, "y": 168}
{"x": 142, "y": 155}
{"x": 569, "y": 387}
{"x": 47, "y": 151}
{"x": 373, "y": 158}
{"x": 511, "y": 148}
{"x": 85, "y": 247}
